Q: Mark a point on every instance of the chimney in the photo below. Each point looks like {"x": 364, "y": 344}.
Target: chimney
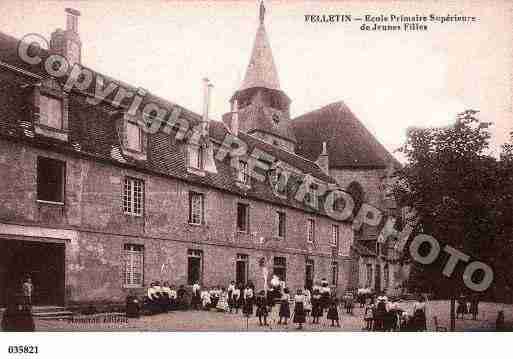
{"x": 207, "y": 88}
{"x": 72, "y": 20}
{"x": 67, "y": 42}
{"x": 323, "y": 160}
{"x": 235, "y": 118}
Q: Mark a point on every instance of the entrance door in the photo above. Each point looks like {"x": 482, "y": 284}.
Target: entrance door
{"x": 43, "y": 262}
{"x": 309, "y": 274}
{"x": 241, "y": 269}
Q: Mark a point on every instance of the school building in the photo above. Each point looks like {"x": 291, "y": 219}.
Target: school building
{"x": 93, "y": 206}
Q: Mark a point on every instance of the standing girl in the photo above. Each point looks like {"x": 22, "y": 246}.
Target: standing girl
{"x": 285, "y": 306}
{"x": 333, "y": 311}
{"x": 299, "y": 309}
{"x": 261, "y": 304}
{"x": 316, "y": 306}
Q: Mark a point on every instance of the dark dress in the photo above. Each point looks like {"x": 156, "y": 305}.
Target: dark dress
{"x": 247, "y": 307}
{"x": 333, "y": 310}
{"x": 285, "y": 307}
{"x": 316, "y": 306}
{"x": 261, "y": 304}
{"x": 299, "y": 310}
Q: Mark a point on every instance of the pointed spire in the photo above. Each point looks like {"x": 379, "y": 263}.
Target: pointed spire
{"x": 261, "y": 71}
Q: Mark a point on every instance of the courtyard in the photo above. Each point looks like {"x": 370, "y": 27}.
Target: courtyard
{"x": 218, "y": 321}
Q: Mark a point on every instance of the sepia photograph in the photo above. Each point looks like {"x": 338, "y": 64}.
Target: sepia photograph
{"x": 255, "y": 166}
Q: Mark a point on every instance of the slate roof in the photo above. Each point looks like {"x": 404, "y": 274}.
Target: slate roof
{"x": 93, "y": 134}
{"x": 261, "y": 71}
{"x": 349, "y": 143}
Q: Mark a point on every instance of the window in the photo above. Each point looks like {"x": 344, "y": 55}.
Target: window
{"x": 194, "y": 266}
{"x": 134, "y": 137}
{"x": 133, "y": 274}
{"x": 334, "y": 273}
{"x": 195, "y": 157}
{"x": 196, "y": 208}
{"x": 50, "y": 112}
{"x": 280, "y": 268}
{"x": 282, "y": 224}
{"x": 51, "y": 180}
{"x": 310, "y": 230}
{"x": 276, "y": 118}
{"x": 386, "y": 276}
{"x": 243, "y": 174}
{"x": 334, "y": 235}
{"x": 241, "y": 269}
{"x": 309, "y": 273}
{"x": 133, "y": 196}
{"x": 368, "y": 283}
{"x": 242, "y": 217}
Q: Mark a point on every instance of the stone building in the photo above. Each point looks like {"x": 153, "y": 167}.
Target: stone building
{"x": 92, "y": 205}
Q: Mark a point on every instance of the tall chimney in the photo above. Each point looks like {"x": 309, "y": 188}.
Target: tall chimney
{"x": 323, "y": 160}
{"x": 207, "y": 86}
{"x": 72, "y": 20}
{"x": 67, "y": 42}
{"x": 235, "y": 118}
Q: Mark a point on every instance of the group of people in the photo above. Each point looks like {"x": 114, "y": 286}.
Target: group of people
{"x": 468, "y": 305}
{"x": 381, "y": 314}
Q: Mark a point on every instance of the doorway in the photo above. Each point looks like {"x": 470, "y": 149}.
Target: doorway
{"x": 43, "y": 262}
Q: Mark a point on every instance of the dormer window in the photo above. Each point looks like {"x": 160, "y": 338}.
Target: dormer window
{"x": 134, "y": 137}
{"x": 243, "y": 173}
{"x": 195, "y": 158}
{"x": 50, "y": 112}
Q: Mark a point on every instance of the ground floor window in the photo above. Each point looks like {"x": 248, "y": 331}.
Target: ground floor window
{"x": 134, "y": 265}
{"x": 280, "y": 268}
{"x": 194, "y": 266}
{"x": 386, "y": 276}
{"x": 334, "y": 273}
{"x": 241, "y": 269}
{"x": 368, "y": 282}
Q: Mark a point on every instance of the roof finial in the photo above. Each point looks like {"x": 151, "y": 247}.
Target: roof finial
{"x": 262, "y": 12}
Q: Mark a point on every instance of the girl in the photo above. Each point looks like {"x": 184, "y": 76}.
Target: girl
{"x": 316, "y": 306}
{"x": 196, "y": 296}
{"x": 205, "y": 299}
{"x": 333, "y": 311}
{"x": 222, "y": 303}
{"x": 236, "y": 299}
{"x": 308, "y": 301}
{"x": 285, "y": 306}
{"x": 367, "y": 316}
{"x": 247, "y": 308}
{"x": 419, "y": 315}
{"x": 231, "y": 288}
{"x": 261, "y": 304}
{"x": 299, "y": 309}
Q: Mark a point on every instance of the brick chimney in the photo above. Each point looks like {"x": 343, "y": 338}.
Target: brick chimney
{"x": 67, "y": 42}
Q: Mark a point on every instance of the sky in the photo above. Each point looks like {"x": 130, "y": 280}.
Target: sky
{"x": 390, "y": 80}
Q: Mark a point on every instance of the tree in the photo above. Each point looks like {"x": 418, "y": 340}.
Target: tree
{"x": 459, "y": 194}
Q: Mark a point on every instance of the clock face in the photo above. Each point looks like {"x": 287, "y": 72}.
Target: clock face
{"x": 73, "y": 52}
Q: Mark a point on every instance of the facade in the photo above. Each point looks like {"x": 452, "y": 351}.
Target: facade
{"x": 93, "y": 207}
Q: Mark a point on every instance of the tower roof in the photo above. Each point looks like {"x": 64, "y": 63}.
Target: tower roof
{"x": 261, "y": 71}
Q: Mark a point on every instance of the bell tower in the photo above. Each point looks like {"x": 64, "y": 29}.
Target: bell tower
{"x": 263, "y": 108}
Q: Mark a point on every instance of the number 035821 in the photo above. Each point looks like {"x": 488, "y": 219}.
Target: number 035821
{"x": 22, "y": 349}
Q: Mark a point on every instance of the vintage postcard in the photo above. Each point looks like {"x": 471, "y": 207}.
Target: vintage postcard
{"x": 261, "y": 166}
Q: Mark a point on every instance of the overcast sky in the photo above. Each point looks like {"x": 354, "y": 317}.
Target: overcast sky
{"x": 390, "y": 80}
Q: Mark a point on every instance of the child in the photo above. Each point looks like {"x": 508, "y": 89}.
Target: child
{"x": 28, "y": 288}
{"x": 333, "y": 311}
{"x": 308, "y": 301}
{"x": 196, "y": 296}
{"x": 222, "y": 303}
{"x": 236, "y": 299}
{"x": 285, "y": 306}
{"x": 205, "y": 299}
{"x": 299, "y": 309}
{"x": 231, "y": 288}
{"x": 261, "y": 303}
{"x": 247, "y": 308}
{"x": 316, "y": 306}
{"x": 368, "y": 316}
